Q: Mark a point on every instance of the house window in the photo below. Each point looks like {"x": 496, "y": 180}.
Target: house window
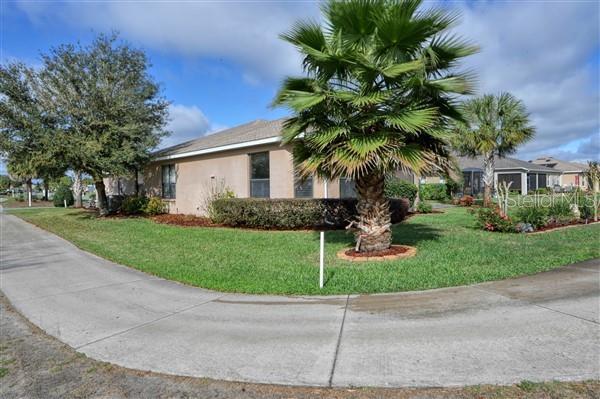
{"x": 259, "y": 175}
{"x": 168, "y": 181}
{"x": 303, "y": 188}
{"x": 347, "y": 188}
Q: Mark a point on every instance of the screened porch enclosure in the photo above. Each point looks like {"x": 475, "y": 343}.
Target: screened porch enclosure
{"x": 472, "y": 182}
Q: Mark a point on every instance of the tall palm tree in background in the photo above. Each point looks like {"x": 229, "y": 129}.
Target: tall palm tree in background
{"x": 493, "y": 126}
{"x": 377, "y": 97}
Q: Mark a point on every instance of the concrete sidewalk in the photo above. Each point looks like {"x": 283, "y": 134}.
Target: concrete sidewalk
{"x": 542, "y": 327}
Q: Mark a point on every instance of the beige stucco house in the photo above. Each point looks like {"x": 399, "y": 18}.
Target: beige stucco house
{"x": 248, "y": 160}
{"x": 572, "y": 174}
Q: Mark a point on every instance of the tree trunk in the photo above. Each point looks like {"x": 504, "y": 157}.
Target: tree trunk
{"x": 417, "y": 200}
{"x": 29, "y": 192}
{"x": 488, "y": 178}
{"x": 78, "y": 190}
{"x": 46, "y": 189}
{"x": 101, "y": 199}
{"x": 137, "y": 183}
{"x": 374, "y": 220}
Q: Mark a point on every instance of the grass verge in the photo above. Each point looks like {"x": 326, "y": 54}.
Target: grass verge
{"x": 451, "y": 252}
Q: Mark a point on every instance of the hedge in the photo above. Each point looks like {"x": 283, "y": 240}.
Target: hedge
{"x": 398, "y": 188}
{"x": 434, "y": 191}
{"x": 61, "y": 194}
{"x": 293, "y": 213}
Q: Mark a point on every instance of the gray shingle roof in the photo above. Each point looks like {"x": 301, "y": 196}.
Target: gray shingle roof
{"x": 262, "y": 129}
{"x": 560, "y": 165}
{"x": 251, "y": 131}
{"x": 503, "y": 163}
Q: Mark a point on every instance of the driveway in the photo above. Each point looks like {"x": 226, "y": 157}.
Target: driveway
{"x": 540, "y": 327}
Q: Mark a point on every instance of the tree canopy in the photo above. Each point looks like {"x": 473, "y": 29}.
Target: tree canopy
{"x": 27, "y": 129}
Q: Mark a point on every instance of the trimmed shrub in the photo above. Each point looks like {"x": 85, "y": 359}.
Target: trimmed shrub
{"x": 398, "y": 188}
{"x": 424, "y": 207}
{"x": 61, "y": 194}
{"x": 537, "y": 215}
{"x": 466, "y": 200}
{"x": 452, "y": 187}
{"x": 155, "y": 206}
{"x": 264, "y": 213}
{"x": 490, "y": 219}
{"x": 134, "y": 205}
{"x": 434, "y": 191}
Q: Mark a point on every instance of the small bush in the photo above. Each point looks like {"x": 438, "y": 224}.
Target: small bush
{"x": 398, "y": 188}
{"x": 21, "y": 197}
{"x": 434, "y": 191}
{"x": 61, "y": 194}
{"x": 586, "y": 206}
{"x": 134, "y": 205}
{"x": 155, "y": 206}
{"x": 452, "y": 187}
{"x": 490, "y": 219}
{"x": 424, "y": 207}
{"x": 466, "y": 200}
{"x": 536, "y": 215}
{"x": 560, "y": 209}
{"x": 293, "y": 213}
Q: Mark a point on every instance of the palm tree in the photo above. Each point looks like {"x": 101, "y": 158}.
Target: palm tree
{"x": 377, "y": 95}
{"x": 493, "y": 126}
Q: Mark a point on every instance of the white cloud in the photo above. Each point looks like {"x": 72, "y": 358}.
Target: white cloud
{"x": 541, "y": 52}
{"x": 186, "y": 123}
{"x": 242, "y": 32}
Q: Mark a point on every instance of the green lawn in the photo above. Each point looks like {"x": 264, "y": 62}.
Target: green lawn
{"x": 451, "y": 251}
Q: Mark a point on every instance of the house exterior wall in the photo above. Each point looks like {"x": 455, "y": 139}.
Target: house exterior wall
{"x": 195, "y": 175}
{"x": 573, "y": 180}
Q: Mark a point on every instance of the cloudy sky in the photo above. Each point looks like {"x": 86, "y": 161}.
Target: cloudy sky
{"x": 220, "y": 63}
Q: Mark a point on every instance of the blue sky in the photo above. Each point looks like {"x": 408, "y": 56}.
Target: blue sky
{"x": 220, "y": 63}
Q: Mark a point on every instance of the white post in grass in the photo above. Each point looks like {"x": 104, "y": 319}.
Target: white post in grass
{"x": 29, "y": 198}
{"x": 65, "y": 202}
{"x": 322, "y": 244}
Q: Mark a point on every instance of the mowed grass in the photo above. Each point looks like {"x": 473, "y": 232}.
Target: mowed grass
{"x": 451, "y": 252}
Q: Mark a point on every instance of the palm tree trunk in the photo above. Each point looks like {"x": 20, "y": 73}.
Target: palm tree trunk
{"x": 374, "y": 220}
{"x": 488, "y": 178}
{"x": 101, "y": 199}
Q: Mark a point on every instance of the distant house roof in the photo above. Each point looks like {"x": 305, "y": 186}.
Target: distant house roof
{"x": 249, "y": 134}
{"x": 501, "y": 164}
{"x": 557, "y": 164}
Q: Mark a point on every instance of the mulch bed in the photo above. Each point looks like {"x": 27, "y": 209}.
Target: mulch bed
{"x": 556, "y": 226}
{"x": 184, "y": 220}
{"x": 395, "y": 250}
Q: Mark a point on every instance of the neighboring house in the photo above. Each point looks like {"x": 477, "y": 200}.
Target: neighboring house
{"x": 247, "y": 159}
{"x": 572, "y": 173}
{"x": 525, "y": 176}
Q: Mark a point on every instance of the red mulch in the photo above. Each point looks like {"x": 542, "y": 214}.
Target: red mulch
{"x": 184, "y": 220}
{"x": 552, "y": 226}
{"x": 395, "y": 250}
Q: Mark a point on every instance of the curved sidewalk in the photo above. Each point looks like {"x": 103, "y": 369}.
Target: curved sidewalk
{"x": 541, "y": 327}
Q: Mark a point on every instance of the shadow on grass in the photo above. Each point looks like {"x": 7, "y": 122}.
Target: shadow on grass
{"x": 402, "y": 233}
